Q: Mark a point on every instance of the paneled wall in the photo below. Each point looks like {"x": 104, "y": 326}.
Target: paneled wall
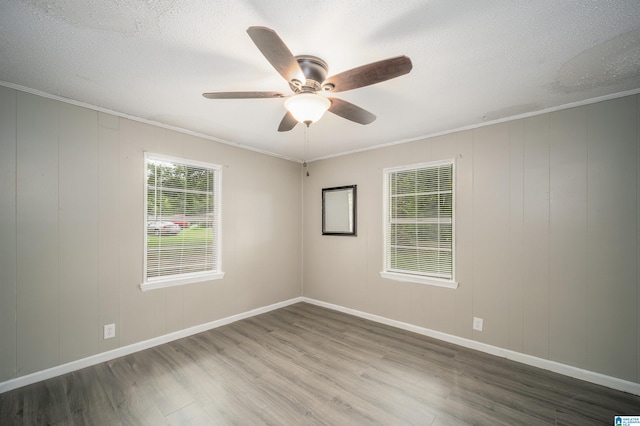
{"x": 547, "y": 237}
{"x": 71, "y": 233}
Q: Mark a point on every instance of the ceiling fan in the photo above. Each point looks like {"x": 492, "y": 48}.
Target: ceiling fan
{"x": 307, "y": 75}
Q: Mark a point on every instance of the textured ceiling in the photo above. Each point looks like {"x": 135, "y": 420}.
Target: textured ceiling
{"x": 474, "y": 61}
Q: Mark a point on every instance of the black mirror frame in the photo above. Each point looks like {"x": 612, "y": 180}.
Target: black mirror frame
{"x": 353, "y": 212}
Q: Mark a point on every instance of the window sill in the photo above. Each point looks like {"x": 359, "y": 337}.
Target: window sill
{"x": 419, "y": 279}
{"x": 171, "y": 282}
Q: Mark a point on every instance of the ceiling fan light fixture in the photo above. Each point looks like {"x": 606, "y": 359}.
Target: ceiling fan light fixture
{"x": 307, "y": 108}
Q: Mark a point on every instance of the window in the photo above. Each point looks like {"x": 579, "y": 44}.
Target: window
{"x": 182, "y": 222}
{"x": 419, "y": 231}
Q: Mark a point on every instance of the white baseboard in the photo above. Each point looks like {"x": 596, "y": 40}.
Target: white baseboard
{"x": 556, "y": 367}
{"x": 59, "y": 370}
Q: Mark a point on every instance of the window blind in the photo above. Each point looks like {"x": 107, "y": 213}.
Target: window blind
{"x": 419, "y": 225}
{"x": 182, "y": 218}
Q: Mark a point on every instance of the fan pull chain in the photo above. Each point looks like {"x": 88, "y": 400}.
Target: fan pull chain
{"x": 306, "y": 147}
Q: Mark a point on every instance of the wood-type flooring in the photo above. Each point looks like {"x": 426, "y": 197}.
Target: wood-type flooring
{"x": 307, "y": 365}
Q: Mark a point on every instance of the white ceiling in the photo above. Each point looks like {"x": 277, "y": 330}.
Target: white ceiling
{"x": 474, "y": 61}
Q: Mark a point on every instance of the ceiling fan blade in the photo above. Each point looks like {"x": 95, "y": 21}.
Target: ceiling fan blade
{"x": 277, "y": 53}
{"x": 287, "y": 123}
{"x": 243, "y": 95}
{"x": 350, "y": 111}
{"x": 372, "y": 73}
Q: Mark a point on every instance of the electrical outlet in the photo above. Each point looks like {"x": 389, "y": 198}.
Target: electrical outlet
{"x": 477, "y": 323}
{"x": 109, "y": 331}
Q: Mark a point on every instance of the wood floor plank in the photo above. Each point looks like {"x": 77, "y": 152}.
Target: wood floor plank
{"x": 135, "y": 403}
{"x": 87, "y": 395}
{"x": 191, "y": 415}
{"x": 47, "y": 403}
{"x": 307, "y": 365}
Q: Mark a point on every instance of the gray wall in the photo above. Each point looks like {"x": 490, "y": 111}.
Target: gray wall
{"x": 547, "y": 237}
{"x": 71, "y": 228}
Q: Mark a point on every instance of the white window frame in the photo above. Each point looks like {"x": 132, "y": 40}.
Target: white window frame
{"x": 408, "y": 276}
{"x": 150, "y": 283}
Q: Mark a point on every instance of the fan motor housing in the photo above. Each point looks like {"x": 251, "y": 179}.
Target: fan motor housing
{"x": 315, "y": 71}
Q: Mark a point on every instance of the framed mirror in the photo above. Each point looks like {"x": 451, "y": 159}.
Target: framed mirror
{"x": 339, "y": 210}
